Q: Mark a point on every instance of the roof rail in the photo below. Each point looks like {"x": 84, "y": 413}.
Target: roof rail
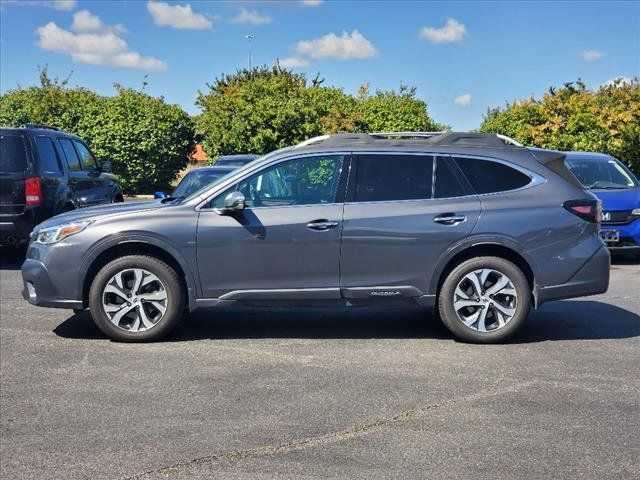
{"x": 40, "y": 126}
{"x": 406, "y": 134}
{"x": 509, "y": 140}
{"x": 312, "y": 140}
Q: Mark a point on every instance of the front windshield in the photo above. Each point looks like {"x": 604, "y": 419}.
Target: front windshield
{"x": 597, "y": 173}
{"x": 195, "y": 180}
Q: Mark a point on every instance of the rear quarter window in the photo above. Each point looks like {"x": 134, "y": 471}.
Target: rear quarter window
{"x": 486, "y": 176}
{"x": 13, "y": 154}
{"x": 49, "y": 161}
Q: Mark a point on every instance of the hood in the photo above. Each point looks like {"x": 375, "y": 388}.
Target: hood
{"x": 101, "y": 212}
{"x": 613, "y": 200}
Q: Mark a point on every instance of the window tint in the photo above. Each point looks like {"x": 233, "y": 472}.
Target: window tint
{"x": 303, "y": 181}
{"x": 88, "y": 162}
{"x": 73, "y": 162}
{"x": 448, "y": 181}
{"x": 13, "y": 156}
{"x": 393, "y": 177}
{"x": 49, "y": 161}
{"x": 486, "y": 176}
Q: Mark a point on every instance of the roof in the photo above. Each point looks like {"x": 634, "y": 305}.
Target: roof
{"x": 239, "y": 156}
{"x": 408, "y": 140}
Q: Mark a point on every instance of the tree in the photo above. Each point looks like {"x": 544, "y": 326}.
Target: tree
{"x": 146, "y": 139}
{"x": 572, "y": 117}
{"x": 262, "y": 109}
{"x": 391, "y": 111}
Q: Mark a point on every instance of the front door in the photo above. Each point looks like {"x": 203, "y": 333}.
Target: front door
{"x": 403, "y": 212}
{"x": 286, "y": 243}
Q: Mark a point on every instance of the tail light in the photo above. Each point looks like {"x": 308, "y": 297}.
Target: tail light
{"x": 33, "y": 191}
{"x": 589, "y": 210}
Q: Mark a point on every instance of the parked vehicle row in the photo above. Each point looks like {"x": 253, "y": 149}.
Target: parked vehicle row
{"x": 474, "y": 225}
{"x": 44, "y": 172}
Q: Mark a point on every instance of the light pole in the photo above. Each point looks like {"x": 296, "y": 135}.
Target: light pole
{"x": 249, "y": 38}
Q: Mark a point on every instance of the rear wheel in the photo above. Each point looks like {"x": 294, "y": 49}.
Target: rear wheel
{"x": 136, "y": 298}
{"x": 484, "y": 300}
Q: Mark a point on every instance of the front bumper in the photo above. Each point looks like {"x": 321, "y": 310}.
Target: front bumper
{"x": 39, "y": 289}
{"x": 591, "y": 279}
{"x": 629, "y": 237}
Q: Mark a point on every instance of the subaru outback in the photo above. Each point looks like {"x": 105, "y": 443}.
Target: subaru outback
{"x": 474, "y": 225}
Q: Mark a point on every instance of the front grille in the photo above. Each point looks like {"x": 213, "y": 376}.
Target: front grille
{"x": 619, "y": 217}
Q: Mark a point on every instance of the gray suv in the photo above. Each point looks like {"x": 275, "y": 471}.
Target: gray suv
{"x": 474, "y": 225}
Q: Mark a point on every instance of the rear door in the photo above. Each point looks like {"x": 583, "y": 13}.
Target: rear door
{"x": 52, "y": 176}
{"x": 398, "y": 222}
{"x": 101, "y": 185}
{"x": 15, "y": 166}
{"x": 80, "y": 183}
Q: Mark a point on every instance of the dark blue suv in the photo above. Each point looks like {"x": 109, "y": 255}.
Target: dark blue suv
{"x": 619, "y": 190}
{"x": 44, "y": 172}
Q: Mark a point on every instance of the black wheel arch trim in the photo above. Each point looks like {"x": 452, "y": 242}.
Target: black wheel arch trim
{"x": 474, "y": 242}
{"x": 123, "y": 238}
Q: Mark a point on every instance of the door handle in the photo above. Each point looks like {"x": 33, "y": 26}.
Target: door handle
{"x": 321, "y": 225}
{"x": 449, "y": 219}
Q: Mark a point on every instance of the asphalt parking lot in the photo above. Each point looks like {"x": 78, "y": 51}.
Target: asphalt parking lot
{"x": 361, "y": 393}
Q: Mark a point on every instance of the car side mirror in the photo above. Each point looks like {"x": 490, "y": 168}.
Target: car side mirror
{"x": 160, "y": 195}
{"x": 233, "y": 203}
{"x": 106, "y": 166}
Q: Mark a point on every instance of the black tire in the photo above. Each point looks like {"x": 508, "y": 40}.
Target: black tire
{"x": 450, "y": 317}
{"x": 175, "y": 298}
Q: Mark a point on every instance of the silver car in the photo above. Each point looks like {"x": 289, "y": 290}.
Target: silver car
{"x": 474, "y": 225}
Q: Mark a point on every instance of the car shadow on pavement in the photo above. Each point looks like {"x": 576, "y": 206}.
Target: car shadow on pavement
{"x": 564, "y": 320}
{"x": 11, "y": 258}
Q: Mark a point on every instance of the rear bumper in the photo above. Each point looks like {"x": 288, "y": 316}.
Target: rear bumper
{"x": 16, "y": 228}
{"x": 39, "y": 289}
{"x": 591, "y": 279}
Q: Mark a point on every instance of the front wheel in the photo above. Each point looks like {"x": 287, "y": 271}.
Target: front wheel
{"x": 484, "y": 300}
{"x": 136, "y": 298}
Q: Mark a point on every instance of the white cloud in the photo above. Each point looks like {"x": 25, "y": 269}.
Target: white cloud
{"x": 348, "y": 46}
{"x": 463, "y": 100}
{"x": 591, "y": 55}
{"x": 85, "y": 21}
{"x": 251, "y": 17}
{"x": 452, "y": 32}
{"x": 65, "y": 5}
{"x": 311, "y": 3}
{"x": 177, "y": 16}
{"x": 293, "y": 62}
{"x": 102, "y": 48}
{"x": 617, "y": 82}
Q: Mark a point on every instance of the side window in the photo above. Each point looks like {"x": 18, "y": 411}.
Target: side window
{"x": 88, "y": 161}
{"x": 49, "y": 161}
{"x": 393, "y": 177}
{"x": 448, "y": 181}
{"x": 302, "y": 181}
{"x": 486, "y": 176}
{"x": 73, "y": 162}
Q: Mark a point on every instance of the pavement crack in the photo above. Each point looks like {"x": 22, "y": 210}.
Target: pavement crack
{"x": 333, "y": 437}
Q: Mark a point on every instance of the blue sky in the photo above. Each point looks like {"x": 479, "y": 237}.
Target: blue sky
{"x": 461, "y": 56}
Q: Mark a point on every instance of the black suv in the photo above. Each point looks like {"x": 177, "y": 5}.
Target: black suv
{"x": 44, "y": 172}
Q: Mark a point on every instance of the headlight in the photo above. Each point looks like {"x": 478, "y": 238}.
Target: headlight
{"x": 635, "y": 212}
{"x": 55, "y": 234}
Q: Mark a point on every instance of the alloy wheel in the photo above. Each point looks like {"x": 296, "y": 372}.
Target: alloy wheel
{"x": 134, "y": 300}
{"x": 485, "y": 300}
